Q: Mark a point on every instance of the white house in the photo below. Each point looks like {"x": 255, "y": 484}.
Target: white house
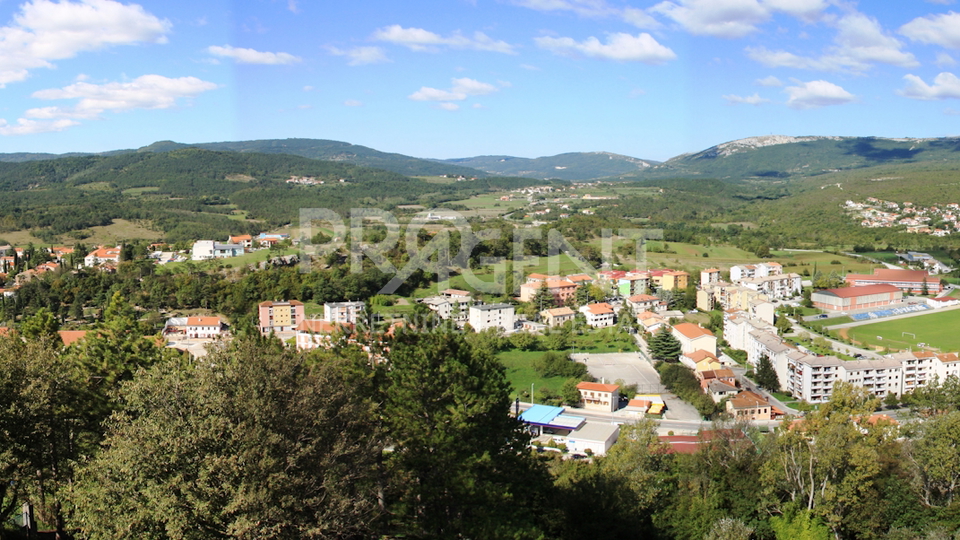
{"x": 204, "y": 250}
{"x": 102, "y": 255}
{"x": 694, "y": 337}
{"x": 204, "y": 327}
{"x": 342, "y": 312}
{"x": 598, "y": 315}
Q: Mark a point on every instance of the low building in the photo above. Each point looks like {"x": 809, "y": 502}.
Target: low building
{"x": 598, "y": 315}
{"x": 244, "y": 240}
{"x": 102, "y": 255}
{"x": 560, "y": 289}
{"x": 909, "y": 281}
{"x": 598, "y": 396}
{"x": 694, "y": 337}
{"x": 775, "y": 287}
{"x": 557, "y": 316}
{"x": 749, "y": 406}
{"x": 280, "y": 316}
{"x": 860, "y": 297}
{"x": 449, "y": 307}
{"x": 315, "y": 333}
{"x": 492, "y": 316}
{"x": 746, "y": 271}
{"x": 205, "y": 250}
{"x": 594, "y": 438}
{"x": 204, "y": 327}
{"x": 645, "y": 302}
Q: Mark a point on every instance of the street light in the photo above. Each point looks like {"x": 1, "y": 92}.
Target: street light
{"x": 531, "y": 393}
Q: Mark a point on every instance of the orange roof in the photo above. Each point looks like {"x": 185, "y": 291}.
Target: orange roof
{"x": 557, "y": 283}
{"x": 722, "y": 373}
{"x": 692, "y": 331}
{"x": 319, "y": 326}
{"x": 105, "y": 253}
{"x": 863, "y": 290}
{"x": 642, "y": 403}
{"x": 642, "y": 298}
{"x": 69, "y": 337}
{"x": 890, "y": 274}
{"x": 748, "y": 400}
{"x": 455, "y": 292}
{"x": 241, "y": 238}
{"x": 602, "y": 308}
{"x": 948, "y": 357}
{"x": 203, "y": 321}
{"x": 579, "y": 277}
{"x": 4, "y": 330}
{"x": 537, "y": 276}
{"x": 560, "y": 311}
{"x": 597, "y": 387}
{"x": 700, "y": 354}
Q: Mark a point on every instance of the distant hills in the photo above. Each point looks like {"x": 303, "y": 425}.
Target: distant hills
{"x": 767, "y": 157}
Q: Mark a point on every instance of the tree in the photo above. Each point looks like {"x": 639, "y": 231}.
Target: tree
{"x": 783, "y": 325}
{"x": 664, "y": 346}
{"x": 254, "y": 443}
{"x": 729, "y": 529}
{"x": 934, "y": 456}
{"x": 43, "y": 325}
{"x": 799, "y": 525}
{"x": 569, "y": 392}
{"x": 766, "y": 375}
{"x": 626, "y": 320}
{"x": 543, "y": 299}
{"x": 457, "y": 459}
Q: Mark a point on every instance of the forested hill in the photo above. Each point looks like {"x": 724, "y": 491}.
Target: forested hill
{"x": 192, "y": 193}
{"x": 572, "y": 166}
{"x": 783, "y": 157}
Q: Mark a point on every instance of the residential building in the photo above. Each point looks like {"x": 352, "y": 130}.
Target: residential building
{"x": 719, "y": 390}
{"x": 775, "y": 287}
{"x": 670, "y": 280}
{"x": 909, "y": 281}
{"x": 557, "y": 316}
{"x": 650, "y": 322}
{"x": 102, "y": 255}
{"x": 244, "y": 240}
{"x": 205, "y": 250}
{"x": 694, "y": 337}
{"x": 635, "y": 282}
{"x": 598, "y": 315}
{"x": 342, "y": 312}
{"x": 709, "y": 276}
{"x": 700, "y": 360}
{"x": 561, "y": 290}
{"x": 492, "y": 316}
{"x": 741, "y": 272}
{"x": 315, "y": 333}
{"x": 645, "y": 302}
{"x": 860, "y": 297}
{"x": 599, "y": 396}
{"x": 749, "y": 406}
{"x": 282, "y": 316}
{"x": 448, "y": 306}
{"x": 204, "y": 327}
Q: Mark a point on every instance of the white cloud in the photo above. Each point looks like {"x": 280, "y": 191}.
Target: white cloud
{"x": 717, "y": 18}
{"x": 623, "y": 47}
{"x": 942, "y": 29}
{"x": 461, "y": 90}
{"x": 418, "y": 39}
{"x": 31, "y": 127}
{"x": 807, "y": 10}
{"x": 359, "y": 56}
{"x": 945, "y": 86}
{"x": 250, "y": 56}
{"x": 145, "y": 92}
{"x": 353, "y": 103}
{"x": 814, "y": 94}
{"x": 945, "y": 60}
{"x": 860, "y": 41}
{"x": 755, "y": 99}
{"x": 44, "y": 31}
{"x": 529, "y": 67}
{"x": 585, "y": 8}
{"x": 640, "y": 18}
{"x": 447, "y": 106}
{"x": 769, "y": 81}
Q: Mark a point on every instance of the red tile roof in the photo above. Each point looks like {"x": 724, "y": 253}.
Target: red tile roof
{"x": 318, "y": 326}
{"x": 597, "y": 387}
{"x": 692, "y": 331}
{"x": 69, "y": 337}
{"x": 863, "y": 290}
{"x": 602, "y": 308}
{"x": 203, "y": 321}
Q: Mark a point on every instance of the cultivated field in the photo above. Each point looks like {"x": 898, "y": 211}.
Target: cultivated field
{"x": 936, "y": 330}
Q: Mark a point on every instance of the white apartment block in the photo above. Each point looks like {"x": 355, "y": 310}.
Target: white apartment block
{"x": 492, "y": 316}
{"x": 776, "y": 287}
{"x": 744, "y": 271}
{"x": 342, "y": 312}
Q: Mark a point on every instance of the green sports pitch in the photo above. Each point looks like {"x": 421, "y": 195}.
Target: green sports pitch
{"x": 935, "y": 331}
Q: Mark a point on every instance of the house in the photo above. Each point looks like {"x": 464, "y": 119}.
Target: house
{"x": 598, "y": 396}
{"x": 719, "y": 390}
{"x": 282, "y": 316}
{"x": 700, "y": 360}
{"x": 205, "y": 250}
{"x": 455, "y": 293}
{"x": 909, "y": 281}
{"x": 557, "y": 316}
{"x": 859, "y": 297}
{"x": 244, "y": 240}
{"x": 59, "y": 252}
{"x": 775, "y": 287}
{"x": 315, "y": 333}
{"x": 492, "y": 316}
{"x": 645, "y": 302}
{"x": 749, "y": 406}
{"x": 69, "y": 337}
{"x": 650, "y": 322}
{"x": 561, "y": 290}
{"x": 342, "y": 312}
{"x": 580, "y": 279}
{"x": 694, "y": 337}
{"x": 595, "y": 437}
{"x": 670, "y": 280}
{"x": 598, "y": 315}
{"x": 709, "y": 276}
{"x": 102, "y": 255}
{"x": 741, "y": 272}
{"x": 204, "y": 327}
{"x": 448, "y": 306}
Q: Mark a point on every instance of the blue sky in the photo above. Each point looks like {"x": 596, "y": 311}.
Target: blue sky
{"x": 459, "y": 78}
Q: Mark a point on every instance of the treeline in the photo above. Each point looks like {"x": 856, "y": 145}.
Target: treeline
{"x": 115, "y": 437}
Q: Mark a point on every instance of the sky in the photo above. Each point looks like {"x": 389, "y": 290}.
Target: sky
{"x": 462, "y": 78}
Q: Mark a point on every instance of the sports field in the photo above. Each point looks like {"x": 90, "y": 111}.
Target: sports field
{"x": 937, "y": 330}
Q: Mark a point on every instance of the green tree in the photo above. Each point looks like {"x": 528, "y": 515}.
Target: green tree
{"x": 766, "y": 375}
{"x": 543, "y": 299}
{"x": 569, "y": 393}
{"x": 626, "y": 320}
{"x": 664, "y": 346}
{"x": 252, "y": 444}
{"x": 799, "y": 525}
{"x": 934, "y": 456}
{"x": 457, "y": 458}
{"x": 43, "y": 325}
{"x": 729, "y": 529}
{"x": 783, "y": 325}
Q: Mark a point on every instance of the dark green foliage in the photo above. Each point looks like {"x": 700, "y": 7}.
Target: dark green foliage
{"x": 555, "y": 364}
{"x": 680, "y": 380}
{"x": 664, "y": 346}
{"x": 766, "y": 375}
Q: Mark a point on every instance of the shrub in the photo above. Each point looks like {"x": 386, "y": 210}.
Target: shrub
{"x": 554, "y": 364}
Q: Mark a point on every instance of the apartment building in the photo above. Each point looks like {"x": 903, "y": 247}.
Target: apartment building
{"x": 492, "y": 316}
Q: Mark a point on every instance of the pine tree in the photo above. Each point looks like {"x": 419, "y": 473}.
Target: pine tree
{"x": 664, "y": 346}
{"x": 766, "y": 375}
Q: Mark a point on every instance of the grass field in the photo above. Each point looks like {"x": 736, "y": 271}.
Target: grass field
{"x": 489, "y": 205}
{"x": 937, "y": 330}
{"x": 232, "y": 262}
{"x": 118, "y": 231}
{"x": 797, "y": 261}
{"x": 133, "y": 192}
{"x": 520, "y": 373}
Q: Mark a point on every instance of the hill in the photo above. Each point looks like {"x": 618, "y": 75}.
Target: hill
{"x": 784, "y": 157}
{"x": 574, "y": 166}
